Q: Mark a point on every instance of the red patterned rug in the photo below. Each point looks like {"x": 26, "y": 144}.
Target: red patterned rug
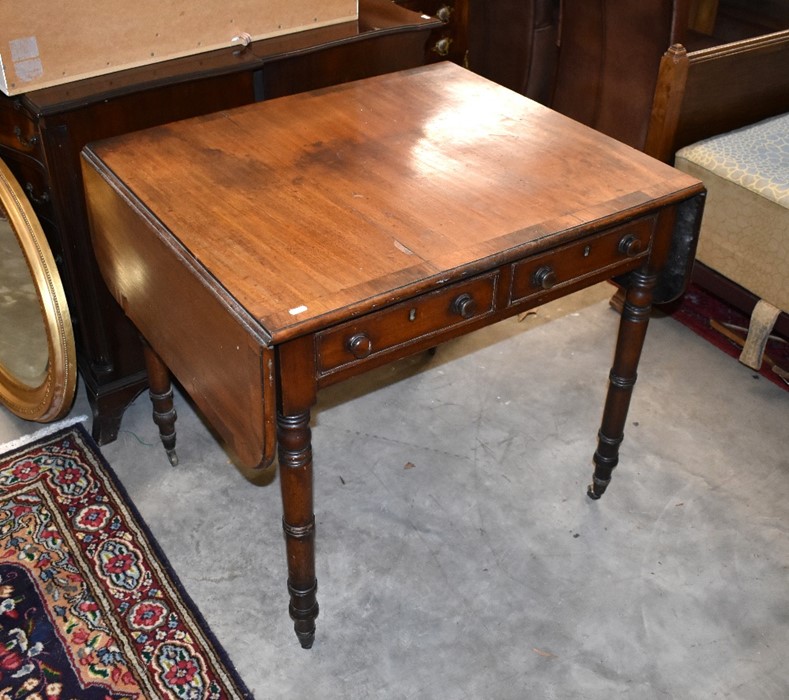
{"x": 717, "y": 322}
{"x": 89, "y": 608}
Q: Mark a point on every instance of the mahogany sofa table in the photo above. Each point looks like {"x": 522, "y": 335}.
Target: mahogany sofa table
{"x": 269, "y": 251}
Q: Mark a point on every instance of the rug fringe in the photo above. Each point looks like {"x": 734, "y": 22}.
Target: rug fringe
{"x": 43, "y": 432}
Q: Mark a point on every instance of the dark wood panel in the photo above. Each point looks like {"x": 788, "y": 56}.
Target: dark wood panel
{"x": 515, "y": 43}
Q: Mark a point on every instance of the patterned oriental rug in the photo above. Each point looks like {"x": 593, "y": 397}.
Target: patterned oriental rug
{"x": 89, "y": 608}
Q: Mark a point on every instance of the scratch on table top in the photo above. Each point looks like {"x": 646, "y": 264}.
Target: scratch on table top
{"x": 403, "y": 248}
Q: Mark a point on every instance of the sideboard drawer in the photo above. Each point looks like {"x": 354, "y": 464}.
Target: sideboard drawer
{"x": 17, "y": 131}
{"x": 406, "y": 323}
{"x": 612, "y": 251}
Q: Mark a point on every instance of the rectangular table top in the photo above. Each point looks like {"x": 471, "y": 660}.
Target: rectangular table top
{"x": 315, "y": 207}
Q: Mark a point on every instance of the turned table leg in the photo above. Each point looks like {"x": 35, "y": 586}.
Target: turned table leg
{"x": 630, "y": 341}
{"x": 160, "y": 390}
{"x": 298, "y": 521}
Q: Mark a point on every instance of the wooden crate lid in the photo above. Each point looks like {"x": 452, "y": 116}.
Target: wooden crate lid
{"x": 44, "y": 43}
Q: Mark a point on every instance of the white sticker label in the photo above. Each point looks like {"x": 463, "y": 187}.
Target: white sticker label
{"x": 29, "y": 70}
{"x": 23, "y": 49}
{"x": 24, "y": 54}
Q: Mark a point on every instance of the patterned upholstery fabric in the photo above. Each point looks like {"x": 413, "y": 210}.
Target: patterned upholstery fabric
{"x": 745, "y": 229}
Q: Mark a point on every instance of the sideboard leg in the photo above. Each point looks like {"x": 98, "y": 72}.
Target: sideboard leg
{"x": 630, "y": 341}
{"x": 108, "y": 406}
{"x": 160, "y": 389}
{"x": 298, "y": 521}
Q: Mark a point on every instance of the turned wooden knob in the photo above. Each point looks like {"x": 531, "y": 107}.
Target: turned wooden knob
{"x": 464, "y": 306}
{"x": 442, "y": 46}
{"x": 544, "y": 277}
{"x": 630, "y": 246}
{"x": 444, "y": 13}
{"x": 360, "y": 345}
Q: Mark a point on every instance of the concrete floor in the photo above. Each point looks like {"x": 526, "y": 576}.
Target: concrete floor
{"x": 458, "y": 556}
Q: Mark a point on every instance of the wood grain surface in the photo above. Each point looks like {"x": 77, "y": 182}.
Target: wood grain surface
{"x": 365, "y": 193}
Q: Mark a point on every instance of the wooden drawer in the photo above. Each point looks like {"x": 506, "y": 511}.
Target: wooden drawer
{"x": 32, "y": 177}
{"x": 406, "y": 323}
{"x": 17, "y": 131}
{"x": 613, "y": 252}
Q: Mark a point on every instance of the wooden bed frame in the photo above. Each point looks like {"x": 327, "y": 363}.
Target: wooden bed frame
{"x": 711, "y": 91}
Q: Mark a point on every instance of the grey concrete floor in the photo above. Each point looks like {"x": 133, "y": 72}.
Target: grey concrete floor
{"x": 458, "y": 556}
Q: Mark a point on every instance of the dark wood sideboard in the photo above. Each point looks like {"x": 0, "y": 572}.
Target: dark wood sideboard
{"x": 43, "y": 132}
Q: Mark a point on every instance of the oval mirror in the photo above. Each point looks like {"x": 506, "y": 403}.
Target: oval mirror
{"x": 38, "y": 374}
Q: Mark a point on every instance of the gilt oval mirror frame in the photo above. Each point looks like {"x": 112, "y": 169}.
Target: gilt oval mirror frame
{"x": 36, "y": 383}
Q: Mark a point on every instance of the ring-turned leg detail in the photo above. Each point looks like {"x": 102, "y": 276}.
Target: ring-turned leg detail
{"x": 160, "y": 391}
{"x": 298, "y": 521}
{"x": 630, "y": 341}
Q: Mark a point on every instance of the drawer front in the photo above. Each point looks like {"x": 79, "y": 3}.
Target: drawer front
{"x": 17, "y": 131}
{"x": 32, "y": 178}
{"x": 612, "y": 251}
{"x": 406, "y": 323}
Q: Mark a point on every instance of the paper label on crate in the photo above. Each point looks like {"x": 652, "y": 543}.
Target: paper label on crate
{"x": 24, "y": 55}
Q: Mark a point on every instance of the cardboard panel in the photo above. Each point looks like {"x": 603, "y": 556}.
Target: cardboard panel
{"x": 45, "y": 43}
